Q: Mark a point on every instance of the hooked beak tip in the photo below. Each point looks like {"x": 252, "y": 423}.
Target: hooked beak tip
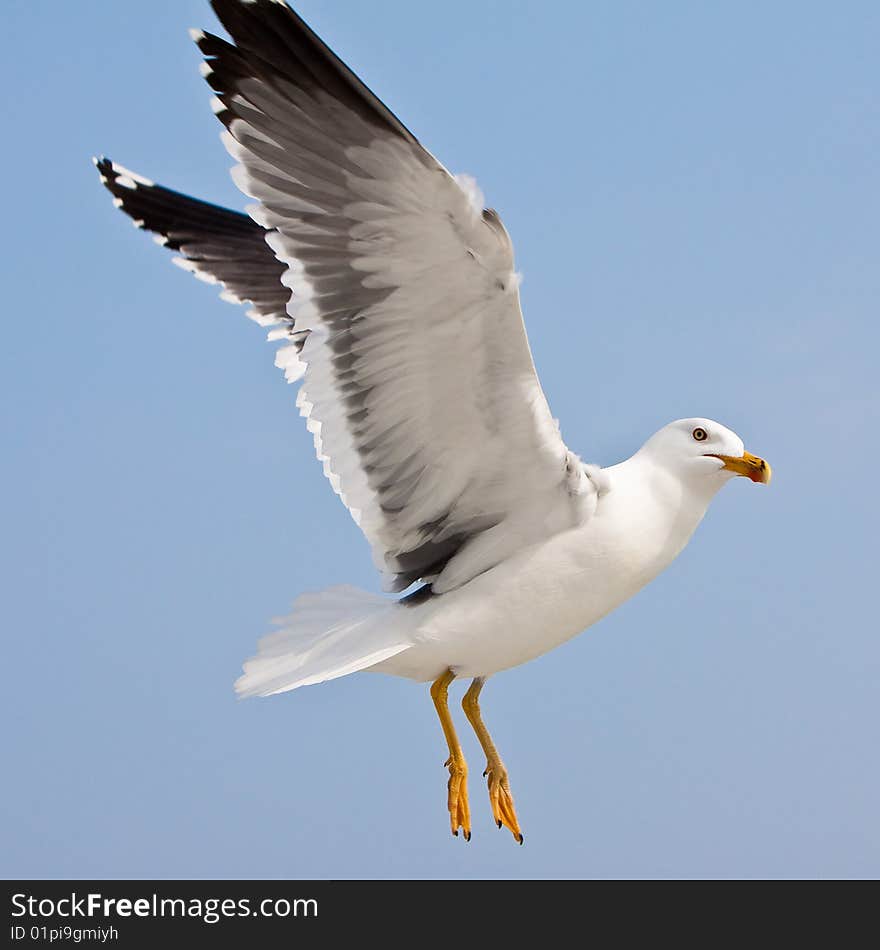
{"x": 748, "y": 465}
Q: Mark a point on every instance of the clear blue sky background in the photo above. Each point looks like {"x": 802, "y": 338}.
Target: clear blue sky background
{"x": 693, "y": 194}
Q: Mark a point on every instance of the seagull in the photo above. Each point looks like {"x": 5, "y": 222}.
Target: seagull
{"x": 393, "y": 292}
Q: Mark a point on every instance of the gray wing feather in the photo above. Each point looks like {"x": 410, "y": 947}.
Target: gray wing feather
{"x": 420, "y": 388}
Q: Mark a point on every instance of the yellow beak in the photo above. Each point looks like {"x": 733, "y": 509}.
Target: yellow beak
{"x": 749, "y": 465}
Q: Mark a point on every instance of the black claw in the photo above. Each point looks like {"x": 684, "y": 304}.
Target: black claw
{"x": 521, "y": 839}
{"x": 485, "y": 773}
{"x": 467, "y": 837}
{"x": 455, "y": 834}
{"x": 497, "y": 822}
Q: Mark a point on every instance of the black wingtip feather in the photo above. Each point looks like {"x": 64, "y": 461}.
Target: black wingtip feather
{"x": 270, "y": 37}
{"x": 171, "y": 214}
{"x": 218, "y": 243}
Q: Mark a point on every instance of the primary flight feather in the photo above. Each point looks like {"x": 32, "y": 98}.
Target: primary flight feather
{"x": 395, "y": 297}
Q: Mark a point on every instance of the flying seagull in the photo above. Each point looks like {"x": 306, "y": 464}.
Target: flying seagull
{"x": 394, "y": 294}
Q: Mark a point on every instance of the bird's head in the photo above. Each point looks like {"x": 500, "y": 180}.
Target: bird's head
{"x": 698, "y": 449}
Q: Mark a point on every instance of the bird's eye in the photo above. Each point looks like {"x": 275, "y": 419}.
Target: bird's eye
{"x": 700, "y": 434}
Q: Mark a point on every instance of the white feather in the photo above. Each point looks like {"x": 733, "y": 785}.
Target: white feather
{"x": 330, "y": 634}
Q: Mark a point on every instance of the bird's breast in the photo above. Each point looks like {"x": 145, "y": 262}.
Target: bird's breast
{"x": 546, "y": 594}
{"x": 525, "y": 606}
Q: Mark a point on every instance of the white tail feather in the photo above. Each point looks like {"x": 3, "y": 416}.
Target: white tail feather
{"x": 329, "y": 634}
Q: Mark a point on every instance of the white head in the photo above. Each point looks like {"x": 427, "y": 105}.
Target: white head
{"x": 704, "y": 454}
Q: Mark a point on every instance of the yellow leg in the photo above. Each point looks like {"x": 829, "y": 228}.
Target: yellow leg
{"x": 459, "y": 809}
{"x": 500, "y": 796}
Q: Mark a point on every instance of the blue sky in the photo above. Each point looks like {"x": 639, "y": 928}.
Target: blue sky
{"x": 693, "y": 195}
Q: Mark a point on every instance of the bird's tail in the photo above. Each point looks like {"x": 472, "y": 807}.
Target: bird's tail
{"x": 329, "y": 634}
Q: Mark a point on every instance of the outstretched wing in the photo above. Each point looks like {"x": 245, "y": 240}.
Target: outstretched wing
{"x": 420, "y": 387}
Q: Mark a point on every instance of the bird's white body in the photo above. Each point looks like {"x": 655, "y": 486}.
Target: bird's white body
{"x": 550, "y": 592}
{"x": 546, "y": 593}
